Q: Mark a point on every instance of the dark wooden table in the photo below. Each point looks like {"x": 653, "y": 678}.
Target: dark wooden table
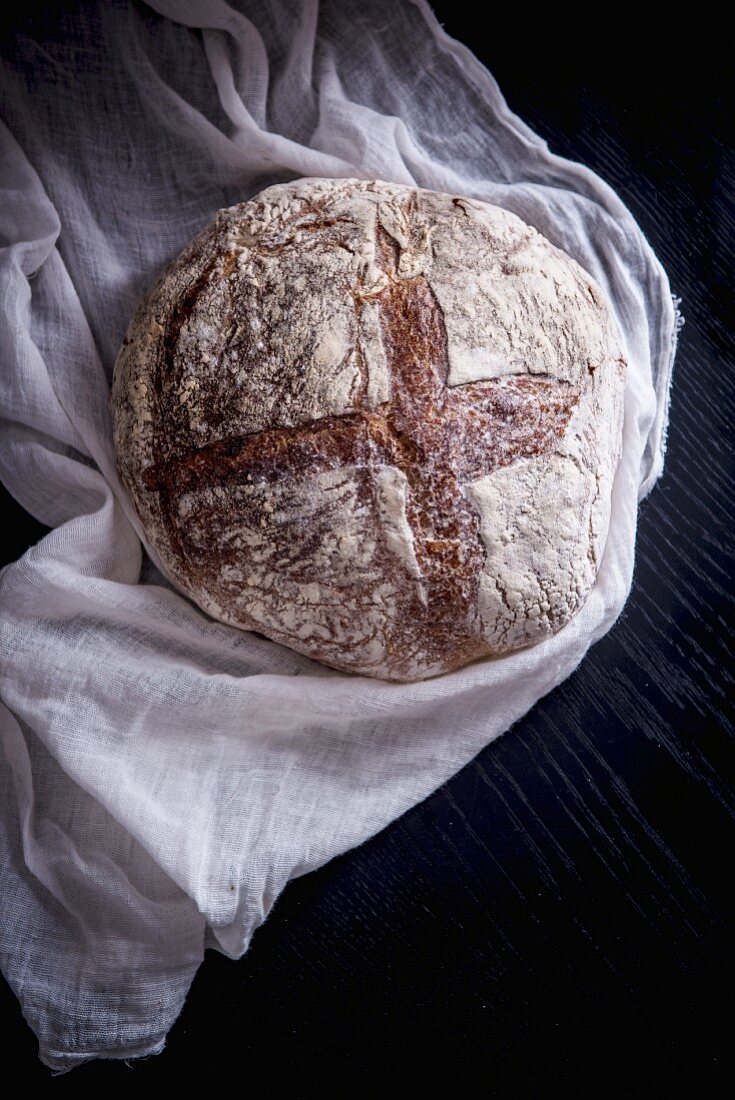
{"x": 557, "y": 918}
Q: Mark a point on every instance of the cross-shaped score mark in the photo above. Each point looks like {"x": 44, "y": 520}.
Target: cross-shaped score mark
{"x": 440, "y": 437}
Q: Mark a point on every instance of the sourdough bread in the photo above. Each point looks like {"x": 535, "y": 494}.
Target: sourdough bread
{"x": 377, "y": 424}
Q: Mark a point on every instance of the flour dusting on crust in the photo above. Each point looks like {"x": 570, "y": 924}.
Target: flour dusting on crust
{"x": 377, "y": 424}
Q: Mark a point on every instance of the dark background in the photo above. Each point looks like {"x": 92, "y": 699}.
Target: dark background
{"x": 557, "y": 918}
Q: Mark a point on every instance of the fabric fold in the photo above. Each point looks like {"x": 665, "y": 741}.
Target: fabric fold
{"x": 165, "y": 775}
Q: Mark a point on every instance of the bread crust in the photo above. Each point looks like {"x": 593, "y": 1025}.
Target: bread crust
{"x": 377, "y": 424}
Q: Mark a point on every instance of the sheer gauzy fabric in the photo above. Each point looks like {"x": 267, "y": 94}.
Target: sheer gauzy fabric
{"x": 163, "y": 775}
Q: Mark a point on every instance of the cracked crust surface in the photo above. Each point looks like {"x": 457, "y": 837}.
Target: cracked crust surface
{"x": 377, "y": 424}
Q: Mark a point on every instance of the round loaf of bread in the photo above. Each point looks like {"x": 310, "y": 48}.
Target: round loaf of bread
{"x": 377, "y": 424}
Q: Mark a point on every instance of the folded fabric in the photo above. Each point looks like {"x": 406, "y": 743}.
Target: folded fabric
{"x": 164, "y": 776}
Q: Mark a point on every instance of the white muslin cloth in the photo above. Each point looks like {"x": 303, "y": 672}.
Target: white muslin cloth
{"x": 163, "y": 775}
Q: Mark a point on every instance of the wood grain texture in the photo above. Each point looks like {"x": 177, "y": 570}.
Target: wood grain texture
{"x": 558, "y": 916}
